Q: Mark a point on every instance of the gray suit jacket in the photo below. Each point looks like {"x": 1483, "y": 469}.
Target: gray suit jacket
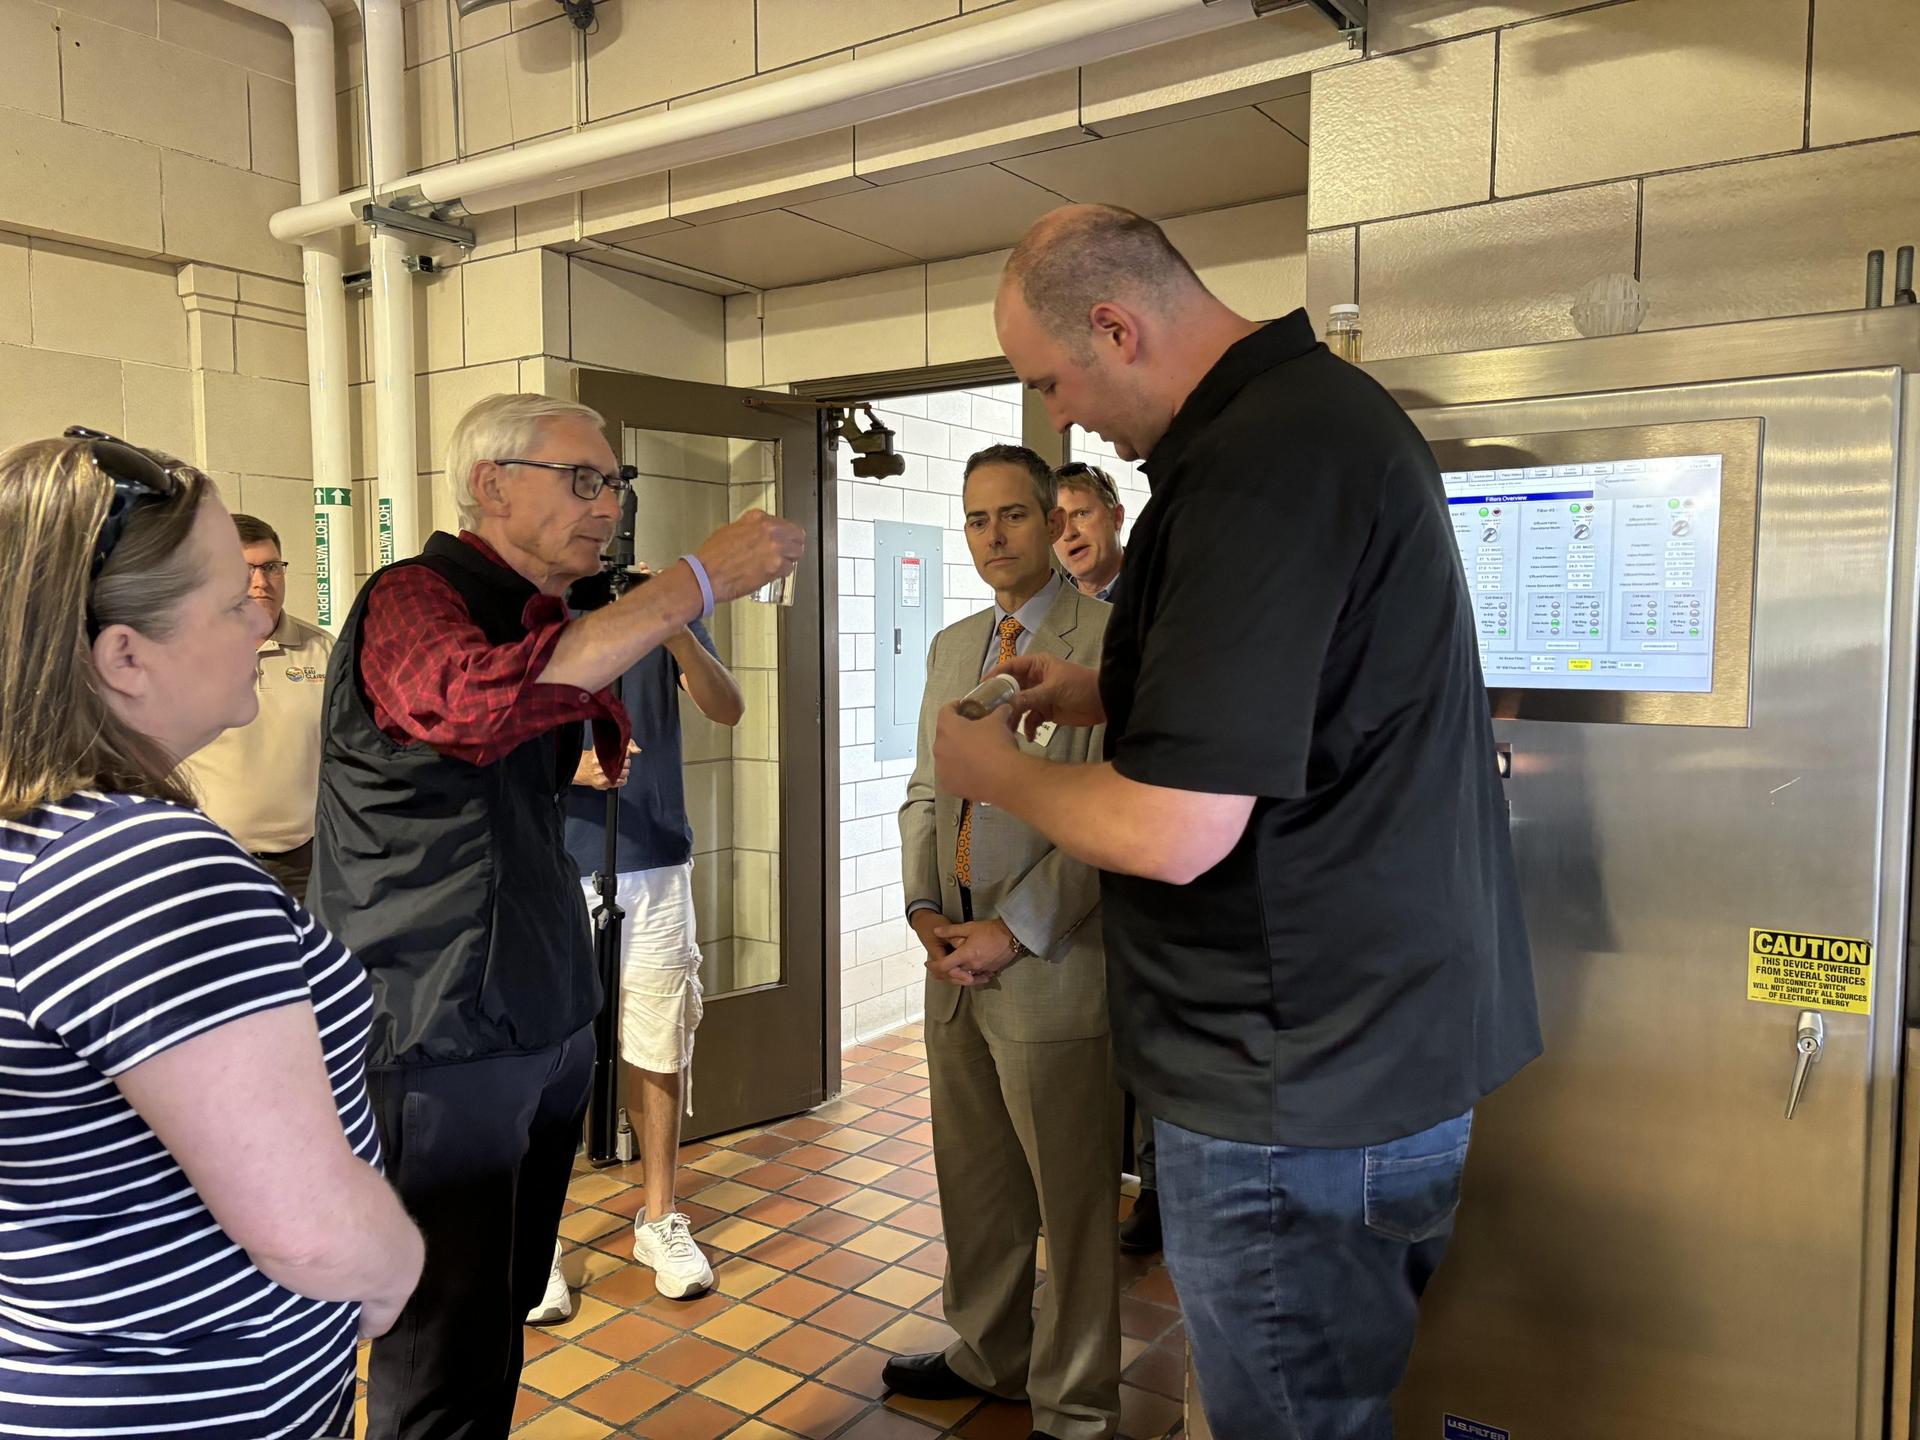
{"x": 1050, "y": 902}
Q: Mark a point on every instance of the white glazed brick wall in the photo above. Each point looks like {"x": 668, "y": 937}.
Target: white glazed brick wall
{"x": 881, "y": 976}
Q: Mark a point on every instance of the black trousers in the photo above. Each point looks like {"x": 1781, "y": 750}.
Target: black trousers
{"x": 291, "y": 868}
{"x": 481, "y": 1152}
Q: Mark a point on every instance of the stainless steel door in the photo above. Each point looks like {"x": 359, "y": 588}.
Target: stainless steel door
{"x": 1646, "y": 1246}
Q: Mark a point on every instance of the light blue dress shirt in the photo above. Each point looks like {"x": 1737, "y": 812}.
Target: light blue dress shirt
{"x": 1029, "y": 615}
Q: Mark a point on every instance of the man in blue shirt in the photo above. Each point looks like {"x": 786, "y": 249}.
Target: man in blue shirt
{"x": 660, "y": 1002}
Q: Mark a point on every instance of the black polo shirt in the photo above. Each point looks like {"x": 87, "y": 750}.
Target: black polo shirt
{"x": 1295, "y": 626}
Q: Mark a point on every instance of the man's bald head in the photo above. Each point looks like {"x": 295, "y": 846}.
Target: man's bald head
{"x": 1081, "y": 255}
{"x": 1106, "y": 321}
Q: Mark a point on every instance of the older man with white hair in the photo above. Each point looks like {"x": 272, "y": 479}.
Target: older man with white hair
{"x": 454, "y": 705}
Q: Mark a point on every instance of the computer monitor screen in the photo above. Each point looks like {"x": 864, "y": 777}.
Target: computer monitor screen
{"x": 1594, "y": 576}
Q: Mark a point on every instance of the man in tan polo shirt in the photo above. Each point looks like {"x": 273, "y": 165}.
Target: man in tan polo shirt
{"x": 260, "y": 782}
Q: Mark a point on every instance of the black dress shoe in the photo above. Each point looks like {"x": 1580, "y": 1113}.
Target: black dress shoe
{"x": 925, "y": 1377}
{"x": 1140, "y": 1232}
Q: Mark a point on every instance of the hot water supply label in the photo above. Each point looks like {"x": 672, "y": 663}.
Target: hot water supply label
{"x": 1810, "y": 972}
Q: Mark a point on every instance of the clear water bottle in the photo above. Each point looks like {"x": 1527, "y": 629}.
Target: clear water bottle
{"x": 1343, "y": 332}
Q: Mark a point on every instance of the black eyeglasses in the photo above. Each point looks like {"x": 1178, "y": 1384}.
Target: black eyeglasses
{"x": 587, "y": 481}
{"x": 139, "y": 477}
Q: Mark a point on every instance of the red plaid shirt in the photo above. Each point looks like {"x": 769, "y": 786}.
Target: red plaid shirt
{"x": 431, "y": 675}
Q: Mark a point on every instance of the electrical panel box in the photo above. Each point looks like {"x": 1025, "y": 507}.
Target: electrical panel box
{"x": 909, "y": 606}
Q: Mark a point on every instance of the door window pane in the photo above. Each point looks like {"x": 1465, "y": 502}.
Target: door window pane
{"x": 690, "y": 485}
{"x": 883, "y": 977}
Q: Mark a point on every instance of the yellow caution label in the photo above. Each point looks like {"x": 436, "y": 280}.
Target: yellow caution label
{"x": 1579, "y": 664}
{"x": 1810, "y": 972}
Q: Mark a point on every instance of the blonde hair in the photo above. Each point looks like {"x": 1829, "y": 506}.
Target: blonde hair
{"x": 1089, "y": 479}
{"x": 58, "y": 734}
{"x": 497, "y": 428}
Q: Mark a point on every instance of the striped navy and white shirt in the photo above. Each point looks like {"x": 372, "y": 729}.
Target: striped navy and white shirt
{"x": 128, "y": 926}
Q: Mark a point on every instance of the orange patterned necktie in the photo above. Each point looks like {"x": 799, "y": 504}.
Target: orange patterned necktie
{"x": 963, "y": 850}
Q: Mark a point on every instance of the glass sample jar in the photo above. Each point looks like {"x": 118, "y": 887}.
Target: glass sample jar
{"x": 1343, "y": 332}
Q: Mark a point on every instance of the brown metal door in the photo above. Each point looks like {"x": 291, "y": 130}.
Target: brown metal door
{"x": 766, "y": 871}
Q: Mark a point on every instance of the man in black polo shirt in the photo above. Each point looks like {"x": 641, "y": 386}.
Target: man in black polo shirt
{"x": 1318, "y": 959}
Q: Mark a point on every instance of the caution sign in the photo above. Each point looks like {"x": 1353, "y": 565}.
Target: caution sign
{"x": 1810, "y": 972}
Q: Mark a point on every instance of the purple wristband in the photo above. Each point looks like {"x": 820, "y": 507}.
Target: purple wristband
{"x": 706, "y": 585}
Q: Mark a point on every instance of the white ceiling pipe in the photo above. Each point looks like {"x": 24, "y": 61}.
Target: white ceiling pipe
{"x": 965, "y": 61}
{"x": 397, "y": 509}
{"x": 317, "y": 139}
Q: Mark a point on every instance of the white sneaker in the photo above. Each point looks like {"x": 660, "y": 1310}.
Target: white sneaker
{"x": 666, "y": 1247}
{"x": 557, "y": 1304}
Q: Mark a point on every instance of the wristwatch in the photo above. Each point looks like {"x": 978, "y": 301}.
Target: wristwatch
{"x": 1020, "y": 949}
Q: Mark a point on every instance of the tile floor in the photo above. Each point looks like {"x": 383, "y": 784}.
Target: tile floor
{"x": 824, "y": 1234}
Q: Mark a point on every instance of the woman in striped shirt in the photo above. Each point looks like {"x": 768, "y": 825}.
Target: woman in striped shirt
{"x": 193, "y": 1224}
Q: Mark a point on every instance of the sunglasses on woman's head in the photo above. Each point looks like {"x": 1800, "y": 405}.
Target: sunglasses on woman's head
{"x": 139, "y": 476}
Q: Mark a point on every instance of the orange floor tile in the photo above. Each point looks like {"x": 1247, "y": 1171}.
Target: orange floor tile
{"x": 824, "y": 1235}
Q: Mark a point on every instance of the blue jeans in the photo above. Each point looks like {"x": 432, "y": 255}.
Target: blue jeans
{"x": 1300, "y": 1273}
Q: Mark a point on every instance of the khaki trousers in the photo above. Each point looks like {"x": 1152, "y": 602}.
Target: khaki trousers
{"x": 1026, "y": 1137}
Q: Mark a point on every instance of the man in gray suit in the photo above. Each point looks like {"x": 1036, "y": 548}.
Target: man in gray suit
{"x": 1025, "y": 1112}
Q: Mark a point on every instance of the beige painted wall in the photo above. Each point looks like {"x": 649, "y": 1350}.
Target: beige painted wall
{"x": 199, "y": 361}
{"x": 517, "y": 73}
{"x": 1486, "y": 162}
{"x": 523, "y": 321}
{"x": 143, "y": 144}
{"x": 157, "y": 128}
{"x": 1739, "y": 156}
{"x": 1468, "y": 179}
{"x": 1253, "y": 256}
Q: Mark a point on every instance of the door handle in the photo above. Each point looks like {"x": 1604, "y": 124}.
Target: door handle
{"x": 1808, "y": 1041}
{"x": 896, "y": 639}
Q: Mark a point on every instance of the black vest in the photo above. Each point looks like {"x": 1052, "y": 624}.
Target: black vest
{"x": 451, "y": 882}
